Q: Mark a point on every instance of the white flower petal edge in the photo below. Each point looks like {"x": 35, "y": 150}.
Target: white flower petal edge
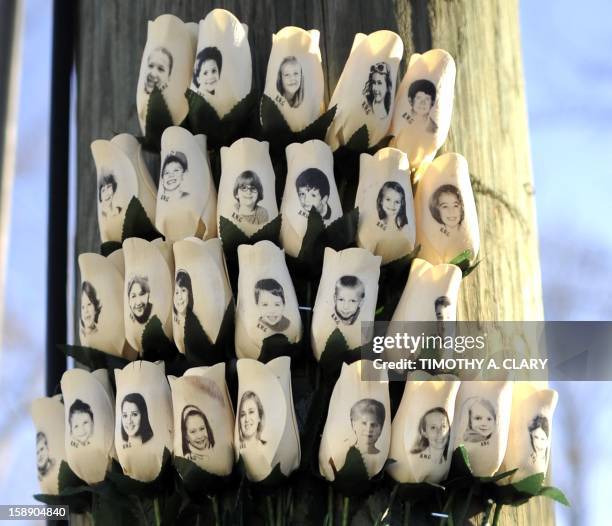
{"x": 121, "y": 174}
{"x": 186, "y": 198}
{"x": 359, "y": 415}
{"x": 49, "y": 421}
{"x": 294, "y": 79}
{"x": 266, "y": 431}
{"x": 424, "y": 106}
{"x": 386, "y": 207}
{"x": 447, "y": 223}
{"x": 203, "y": 418}
{"x": 89, "y": 414}
{"x": 420, "y": 440}
{"x": 143, "y": 419}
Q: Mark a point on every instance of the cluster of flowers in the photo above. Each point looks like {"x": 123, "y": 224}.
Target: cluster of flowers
{"x": 184, "y": 276}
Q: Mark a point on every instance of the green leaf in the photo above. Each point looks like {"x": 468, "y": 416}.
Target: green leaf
{"x": 416, "y": 492}
{"x": 108, "y": 247}
{"x": 318, "y": 128}
{"x": 129, "y": 486}
{"x": 498, "y": 476}
{"x": 393, "y": 276}
{"x": 199, "y": 348}
{"x": 279, "y": 345}
{"x": 231, "y": 235}
{"x": 555, "y": 494}
{"x": 359, "y": 141}
{"x": 67, "y": 479}
{"x": 460, "y": 472}
{"x": 530, "y": 485}
{"x": 270, "y": 231}
{"x": 93, "y": 358}
{"x": 336, "y": 352}
{"x": 273, "y": 124}
{"x": 202, "y": 116}
{"x": 137, "y": 223}
{"x": 197, "y": 481}
{"x": 383, "y": 143}
{"x": 155, "y": 344}
{"x": 312, "y": 237}
{"x": 158, "y": 119}
{"x": 342, "y": 232}
{"x": 352, "y": 479}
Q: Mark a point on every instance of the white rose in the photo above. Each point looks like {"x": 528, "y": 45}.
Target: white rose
{"x": 90, "y": 420}
{"x": 346, "y": 296}
{"x": 530, "y": 436}
{"x": 266, "y": 431}
{"x": 247, "y": 194}
{"x": 294, "y": 80}
{"x": 143, "y": 421}
{"x": 386, "y": 208}
{"x": 121, "y": 174}
{"x": 222, "y": 69}
{"x": 420, "y": 440}
{"x": 166, "y": 65}
{"x": 447, "y": 223}
{"x": 203, "y": 419}
{"x": 200, "y": 284}
{"x": 148, "y": 287}
{"x": 424, "y": 106}
{"x": 266, "y": 303}
{"x": 482, "y": 419}
{"x": 359, "y": 416}
{"x": 48, "y": 417}
{"x": 365, "y": 93}
{"x": 101, "y": 310}
{"x": 186, "y": 198}
{"x": 310, "y": 184}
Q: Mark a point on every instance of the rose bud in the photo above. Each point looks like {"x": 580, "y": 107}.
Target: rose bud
{"x": 359, "y": 416}
{"x": 201, "y": 286}
{"x": 101, "y": 316}
{"x": 346, "y": 296}
{"x": 310, "y": 186}
{"x": 447, "y": 223}
{"x": 424, "y": 106}
{"x": 266, "y": 303}
{"x": 420, "y": 438}
{"x": 266, "y": 433}
{"x": 148, "y": 287}
{"x": 48, "y": 417}
{"x": 166, "y": 65}
{"x": 90, "y": 420}
{"x": 430, "y": 293}
{"x": 222, "y": 69}
{"x": 294, "y": 80}
{"x": 482, "y": 419}
{"x": 247, "y": 195}
{"x": 203, "y": 419}
{"x": 187, "y": 198}
{"x": 143, "y": 419}
{"x": 386, "y": 208}
{"x": 121, "y": 175}
{"x": 365, "y": 93}
{"x": 530, "y": 436}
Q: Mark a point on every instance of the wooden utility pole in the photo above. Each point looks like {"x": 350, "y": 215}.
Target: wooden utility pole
{"x": 489, "y": 125}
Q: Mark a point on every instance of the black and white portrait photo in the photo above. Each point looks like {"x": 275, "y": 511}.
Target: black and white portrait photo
{"x": 207, "y": 71}
{"x": 349, "y": 294}
{"x": 80, "y": 423}
{"x": 270, "y": 300}
{"x": 183, "y": 297}
{"x": 248, "y": 192}
{"x": 138, "y": 295}
{"x": 135, "y": 426}
{"x": 44, "y": 462}
{"x": 90, "y": 309}
{"x": 441, "y": 307}
{"x": 250, "y": 421}
{"x": 421, "y": 97}
{"x": 539, "y": 440}
{"x": 196, "y": 434}
{"x": 367, "y": 420}
{"x": 173, "y": 172}
{"x": 446, "y": 207}
{"x": 391, "y": 206}
{"x": 313, "y": 190}
{"x": 290, "y": 82}
{"x": 433, "y": 436}
{"x": 158, "y": 69}
{"x": 378, "y": 91}
{"x": 482, "y": 420}
{"x": 107, "y": 188}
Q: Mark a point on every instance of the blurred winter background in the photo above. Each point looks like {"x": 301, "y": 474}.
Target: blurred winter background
{"x": 568, "y": 71}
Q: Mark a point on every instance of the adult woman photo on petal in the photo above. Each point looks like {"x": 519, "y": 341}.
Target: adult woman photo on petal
{"x": 135, "y": 426}
{"x": 250, "y": 421}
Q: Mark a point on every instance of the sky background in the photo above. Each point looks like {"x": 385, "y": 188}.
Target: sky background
{"x": 568, "y": 75}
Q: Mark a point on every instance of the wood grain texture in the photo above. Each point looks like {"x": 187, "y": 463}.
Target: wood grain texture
{"x": 489, "y": 125}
